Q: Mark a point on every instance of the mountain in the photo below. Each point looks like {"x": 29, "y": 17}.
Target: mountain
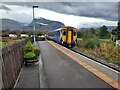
{"x": 44, "y": 24}
{"x": 110, "y": 28}
{"x": 11, "y": 24}
{"x": 40, "y": 24}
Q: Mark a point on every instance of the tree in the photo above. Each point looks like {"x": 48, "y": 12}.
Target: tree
{"x": 5, "y": 33}
{"x": 92, "y": 30}
{"x": 114, "y": 32}
{"x": 79, "y": 34}
{"x": 118, "y": 30}
{"x": 103, "y": 31}
{"x": 30, "y": 32}
{"x": 18, "y": 33}
{"x": 90, "y": 40}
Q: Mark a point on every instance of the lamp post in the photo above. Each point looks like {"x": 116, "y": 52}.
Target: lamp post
{"x": 34, "y": 25}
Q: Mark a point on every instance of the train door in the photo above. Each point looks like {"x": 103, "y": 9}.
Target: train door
{"x": 69, "y": 35}
{"x": 64, "y": 34}
{"x": 74, "y": 35}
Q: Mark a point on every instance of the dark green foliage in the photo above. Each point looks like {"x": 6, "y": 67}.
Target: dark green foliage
{"x": 90, "y": 41}
{"x": 29, "y": 47}
{"x": 29, "y": 55}
{"x": 30, "y": 52}
{"x": 103, "y": 31}
{"x": 93, "y": 31}
{"x": 118, "y": 30}
{"x": 37, "y": 51}
{"x": 79, "y": 34}
{"x": 114, "y": 32}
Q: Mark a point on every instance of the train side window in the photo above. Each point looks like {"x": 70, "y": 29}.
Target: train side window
{"x": 64, "y": 33}
{"x": 74, "y": 33}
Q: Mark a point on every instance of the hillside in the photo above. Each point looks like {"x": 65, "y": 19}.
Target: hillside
{"x": 44, "y": 24}
{"x": 11, "y": 24}
{"x": 40, "y": 23}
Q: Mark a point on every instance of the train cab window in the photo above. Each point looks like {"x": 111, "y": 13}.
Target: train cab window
{"x": 64, "y": 33}
{"x": 69, "y": 28}
{"x": 74, "y": 33}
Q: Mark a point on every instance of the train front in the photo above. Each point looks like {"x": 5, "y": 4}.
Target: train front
{"x": 69, "y": 36}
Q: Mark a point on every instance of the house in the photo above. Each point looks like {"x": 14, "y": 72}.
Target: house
{"x": 117, "y": 43}
{"x": 32, "y": 36}
{"x": 24, "y": 35}
{"x": 12, "y": 35}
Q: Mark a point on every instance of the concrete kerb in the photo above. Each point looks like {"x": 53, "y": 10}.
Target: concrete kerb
{"x": 18, "y": 78}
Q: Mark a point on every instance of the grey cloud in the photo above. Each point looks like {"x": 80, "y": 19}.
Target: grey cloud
{"x": 3, "y": 7}
{"x": 106, "y": 10}
{"x": 103, "y": 10}
{"x": 61, "y": 1}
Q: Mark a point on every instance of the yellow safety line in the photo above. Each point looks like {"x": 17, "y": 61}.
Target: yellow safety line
{"x": 101, "y": 75}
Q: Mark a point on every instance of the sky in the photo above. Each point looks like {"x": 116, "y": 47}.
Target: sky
{"x": 75, "y": 13}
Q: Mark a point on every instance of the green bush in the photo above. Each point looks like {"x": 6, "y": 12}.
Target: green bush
{"x": 90, "y": 41}
{"x": 29, "y": 55}
{"x": 37, "y": 51}
{"x": 29, "y": 47}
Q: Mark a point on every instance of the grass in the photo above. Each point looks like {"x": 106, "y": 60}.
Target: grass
{"x": 3, "y": 44}
{"x": 8, "y": 41}
{"x": 107, "y": 50}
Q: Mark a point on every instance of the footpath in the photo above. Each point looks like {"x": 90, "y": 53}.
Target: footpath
{"x": 31, "y": 76}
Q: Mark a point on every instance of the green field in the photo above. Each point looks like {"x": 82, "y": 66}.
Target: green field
{"x": 8, "y": 42}
{"x": 107, "y": 50}
{"x": 3, "y": 44}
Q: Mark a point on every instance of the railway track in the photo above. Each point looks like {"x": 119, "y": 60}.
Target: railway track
{"x": 99, "y": 60}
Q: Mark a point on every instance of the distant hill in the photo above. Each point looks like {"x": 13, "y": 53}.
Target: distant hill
{"x": 109, "y": 28}
{"x": 11, "y": 24}
{"x": 40, "y": 23}
{"x": 44, "y": 24}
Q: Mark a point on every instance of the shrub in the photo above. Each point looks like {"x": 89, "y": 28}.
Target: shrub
{"x": 36, "y": 51}
{"x": 90, "y": 41}
{"x": 29, "y": 47}
{"x": 29, "y": 55}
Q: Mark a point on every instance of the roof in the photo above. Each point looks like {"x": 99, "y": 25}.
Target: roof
{"x": 58, "y": 29}
{"x": 61, "y": 28}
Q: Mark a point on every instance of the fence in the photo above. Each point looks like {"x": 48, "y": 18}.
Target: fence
{"x": 12, "y": 61}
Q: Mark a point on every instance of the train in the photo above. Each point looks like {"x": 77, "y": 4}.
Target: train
{"x": 66, "y": 36}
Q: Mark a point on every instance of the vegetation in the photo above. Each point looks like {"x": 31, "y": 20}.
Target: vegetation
{"x": 107, "y": 50}
{"x": 3, "y": 44}
{"x": 29, "y": 47}
{"x": 100, "y": 32}
{"x": 7, "y": 41}
{"x": 103, "y": 31}
{"x": 90, "y": 41}
{"x": 79, "y": 34}
{"x": 116, "y": 32}
{"x": 5, "y": 33}
{"x": 36, "y": 51}
{"x": 98, "y": 42}
{"x": 30, "y": 55}
{"x": 30, "y": 52}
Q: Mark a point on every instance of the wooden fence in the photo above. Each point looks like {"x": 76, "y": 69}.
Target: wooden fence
{"x": 12, "y": 61}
